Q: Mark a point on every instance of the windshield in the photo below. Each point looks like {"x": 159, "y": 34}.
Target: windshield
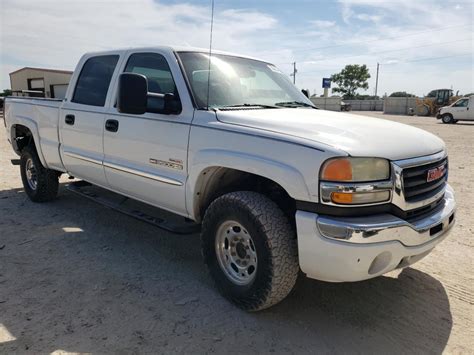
{"x": 237, "y": 82}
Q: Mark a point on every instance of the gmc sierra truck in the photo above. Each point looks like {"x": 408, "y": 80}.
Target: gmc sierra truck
{"x": 227, "y": 142}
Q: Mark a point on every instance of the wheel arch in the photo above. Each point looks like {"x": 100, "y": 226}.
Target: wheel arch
{"x": 233, "y": 171}
{"x": 25, "y": 133}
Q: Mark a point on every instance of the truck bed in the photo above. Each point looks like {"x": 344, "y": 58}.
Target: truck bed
{"x": 41, "y": 115}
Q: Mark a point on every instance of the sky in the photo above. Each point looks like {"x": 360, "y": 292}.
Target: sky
{"x": 420, "y": 45}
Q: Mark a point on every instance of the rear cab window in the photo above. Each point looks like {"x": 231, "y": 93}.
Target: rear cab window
{"x": 94, "y": 80}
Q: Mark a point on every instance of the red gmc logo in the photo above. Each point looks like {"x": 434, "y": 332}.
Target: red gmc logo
{"x": 436, "y": 173}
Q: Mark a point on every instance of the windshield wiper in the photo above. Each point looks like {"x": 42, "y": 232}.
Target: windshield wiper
{"x": 246, "y": 105}
{"x": 295, "y": 104}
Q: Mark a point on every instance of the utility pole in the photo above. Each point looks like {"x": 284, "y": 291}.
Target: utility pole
{"x": 377, "y": 80}
{"x": 294, "y": 72}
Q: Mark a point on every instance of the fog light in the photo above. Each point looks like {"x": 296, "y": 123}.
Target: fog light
{"x": 358, "y": 198}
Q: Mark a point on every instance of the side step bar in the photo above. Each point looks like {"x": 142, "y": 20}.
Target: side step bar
{"x": 152, "y": 215}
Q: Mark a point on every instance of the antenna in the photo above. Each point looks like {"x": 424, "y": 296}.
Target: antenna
{"x": 210, "y": 53}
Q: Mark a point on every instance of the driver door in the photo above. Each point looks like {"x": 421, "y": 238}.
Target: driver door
{"x": 145, "y": 156}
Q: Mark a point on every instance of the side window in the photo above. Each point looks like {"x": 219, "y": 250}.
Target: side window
{"x": 94, "y": 80}
{"x": 160, "y": 80}
{"x": 462, "y": 103}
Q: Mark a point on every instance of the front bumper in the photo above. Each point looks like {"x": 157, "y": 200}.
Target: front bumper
{"x": 341, "y": 249}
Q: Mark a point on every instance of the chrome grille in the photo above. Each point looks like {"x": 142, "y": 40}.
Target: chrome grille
{"x": 415, "y": 184}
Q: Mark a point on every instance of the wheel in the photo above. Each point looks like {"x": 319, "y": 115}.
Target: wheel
{"x": 447, "y": 118}
{"x": 250, "y": 250}
{"x": 40, "y": 184}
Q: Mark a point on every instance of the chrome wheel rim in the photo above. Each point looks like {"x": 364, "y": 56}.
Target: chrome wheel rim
{"x": 236, "y": 253}
{"x": 31, "y": 175}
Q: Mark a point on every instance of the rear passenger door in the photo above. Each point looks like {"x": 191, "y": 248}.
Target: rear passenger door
{"x": 81, "y": 122}
{"x": 145, "y": 156}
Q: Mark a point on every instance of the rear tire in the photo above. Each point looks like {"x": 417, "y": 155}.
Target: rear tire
{"x": 447, "y": 118}
{"x": 250, "y": 250}
{"x": 40, "y": 184}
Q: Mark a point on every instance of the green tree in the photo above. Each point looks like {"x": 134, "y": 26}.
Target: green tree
{"x": 350, "y": 79}
{"x": 401, "y": 94}
{"x": 6, "y": 92}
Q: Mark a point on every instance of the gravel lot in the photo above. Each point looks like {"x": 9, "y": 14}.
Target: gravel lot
{"x": 77, "y": 277}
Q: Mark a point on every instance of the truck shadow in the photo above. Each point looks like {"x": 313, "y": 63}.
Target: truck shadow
{"x": 78, "y": 277}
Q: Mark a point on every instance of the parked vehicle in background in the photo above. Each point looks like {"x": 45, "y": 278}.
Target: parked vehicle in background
{"x": 345, "y": 106}
{"x": 461, "y": 110}
{"x": 276, "y": 184}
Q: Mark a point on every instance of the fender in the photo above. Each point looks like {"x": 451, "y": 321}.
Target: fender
{"x": 286, "y": 176}
{"x": 33, "y": 127}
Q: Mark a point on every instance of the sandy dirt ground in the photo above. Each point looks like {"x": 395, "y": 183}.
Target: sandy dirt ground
{"x": 77, "y": 277}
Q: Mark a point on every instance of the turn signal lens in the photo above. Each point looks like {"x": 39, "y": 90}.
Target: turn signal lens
{"x": 359, "y": 198}
{"x": 337, "y": 170}
{"x": 355, "y": 169}
{"x": 342, "y": 198}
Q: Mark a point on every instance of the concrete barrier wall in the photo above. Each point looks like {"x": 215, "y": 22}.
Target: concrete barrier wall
{"x": 365, "y": 105}
{"x": 327, "y": 103}
{"x": 398, "y": 105}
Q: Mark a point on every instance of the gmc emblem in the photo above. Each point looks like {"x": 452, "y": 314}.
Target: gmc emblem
{"x": 436, "y": 173}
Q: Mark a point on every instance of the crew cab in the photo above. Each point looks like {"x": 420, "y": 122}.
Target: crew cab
{"x": 460, "y": 110}
{"x": 227, "y": 141}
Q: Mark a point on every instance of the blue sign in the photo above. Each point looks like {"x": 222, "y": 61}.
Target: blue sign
{"x": 326, "y": 83}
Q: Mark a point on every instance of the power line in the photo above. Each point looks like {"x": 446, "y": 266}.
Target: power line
{"x": 389, "y": 50}
{"x": 400, "y": 62}
{"x": 380, "y": 38}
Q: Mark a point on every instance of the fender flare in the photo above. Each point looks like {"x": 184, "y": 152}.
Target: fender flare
{"x": 286, "y": 176}
{"x": 33, "y": 127}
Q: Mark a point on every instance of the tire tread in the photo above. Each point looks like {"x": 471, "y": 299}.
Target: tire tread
{"x": 281, "y": 242}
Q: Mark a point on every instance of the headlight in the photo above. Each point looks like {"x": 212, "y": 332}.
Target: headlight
{"x": 355, "y": 169}
{"x": 355, "y": 181}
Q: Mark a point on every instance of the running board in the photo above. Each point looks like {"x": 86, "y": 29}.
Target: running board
{"x": 136, "y": 209}
{"x": 15, "y": 161}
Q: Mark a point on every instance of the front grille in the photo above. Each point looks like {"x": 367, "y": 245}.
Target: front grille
{"x": 415, "y": 185}
{"x": 421, "y": 212}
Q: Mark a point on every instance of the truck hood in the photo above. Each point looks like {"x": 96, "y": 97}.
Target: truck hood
{"x": 354, "y": 134}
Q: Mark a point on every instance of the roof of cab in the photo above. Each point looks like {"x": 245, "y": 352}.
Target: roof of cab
{"x": 173, "y": 48}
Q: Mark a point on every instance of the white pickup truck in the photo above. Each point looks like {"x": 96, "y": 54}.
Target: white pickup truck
{"x": 276, "y": 185}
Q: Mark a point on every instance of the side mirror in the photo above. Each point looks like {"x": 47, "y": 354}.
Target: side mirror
{"x": 305, "y": 93}
{"x": 132, "y": 93}
{"x": 166, "y": 104}
{"x": 134, "y": 98}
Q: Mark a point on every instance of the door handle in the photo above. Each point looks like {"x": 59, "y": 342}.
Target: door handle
{"x": 112, "y": 125}
{"x": 70, "y": 119}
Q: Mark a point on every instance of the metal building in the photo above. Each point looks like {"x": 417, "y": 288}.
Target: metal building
{"x": 40, "y": 82}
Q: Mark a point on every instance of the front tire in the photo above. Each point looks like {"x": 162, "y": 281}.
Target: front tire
{"x": 40, "y": 184}
{"x": 447, "y": 118}
{"x": 250, "y": 250}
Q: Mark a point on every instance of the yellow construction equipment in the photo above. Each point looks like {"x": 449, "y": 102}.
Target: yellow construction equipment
{"x": 430, "y": 104}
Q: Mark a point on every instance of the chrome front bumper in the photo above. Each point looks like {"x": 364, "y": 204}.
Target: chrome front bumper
{"x": 342, "y": 249}
{"x": 386, "y": 227}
